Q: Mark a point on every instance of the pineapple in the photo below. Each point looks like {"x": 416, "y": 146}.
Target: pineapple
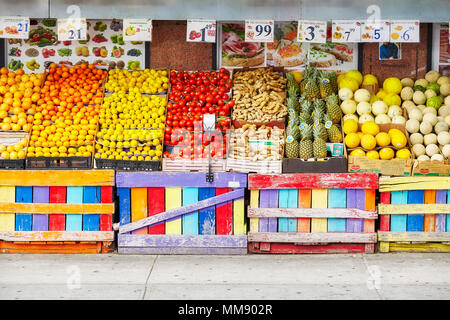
{"x": 319, "y": 144}
{"x": 306, "y": 144}
{"x": 292, "y": 86}
{"x": 334, "y": 134}
{"x": 325, "y": 87}
{"x": 305, "y": 115}
{"x": 292, "y": 103}
{"x": 333, "y": 80}
{"x": 319, "y": 103}
{"x": 318, "y": 122}
{"x": 305, "y": 79}
{"x": 291, "y": 147}
{"x": 293, "y": 130}
{"x": 333, "y": 108}
{"x": 312, "y": 88}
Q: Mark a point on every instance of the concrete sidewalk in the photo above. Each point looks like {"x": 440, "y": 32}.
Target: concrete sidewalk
{"x": 113, "y": 276}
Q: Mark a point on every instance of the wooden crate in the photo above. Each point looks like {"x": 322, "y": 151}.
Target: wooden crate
{"x": 195, "y": 165}
{"x": 59, "y": 211}
{"x": 181, "y": 213}
{"x": 247, "y": 166}
{"x": 414, "y": 214}
{"x": 312, "y": 213}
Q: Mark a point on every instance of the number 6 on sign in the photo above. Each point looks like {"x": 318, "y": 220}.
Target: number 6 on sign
{"x": 259, "y": 30}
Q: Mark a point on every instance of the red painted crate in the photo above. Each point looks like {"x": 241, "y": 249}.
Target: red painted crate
{"x": 312, "y": 213}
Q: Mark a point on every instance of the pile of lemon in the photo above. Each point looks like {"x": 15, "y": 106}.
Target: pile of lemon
{"x": 374, "y": 144}
{"x": 143, "y": 81}
{"x": 14, "y": 151}
{"x": 136, "y": 153}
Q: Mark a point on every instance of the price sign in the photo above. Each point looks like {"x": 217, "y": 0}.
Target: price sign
{"x": 201, "y": 31}
{"x": 72, "y": 29}
{"x": 405, "y": 31}
{"x": 346, "y": 31}
{"x": 259, "y": 30}
{"x": 312, "y": 31}
{"x": 376, "y": 31}
{"x": 137, "y": 29}
{"x": 14, "y": 27}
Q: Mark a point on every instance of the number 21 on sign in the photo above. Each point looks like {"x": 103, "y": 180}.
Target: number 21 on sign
{"x": 259, "y": 30}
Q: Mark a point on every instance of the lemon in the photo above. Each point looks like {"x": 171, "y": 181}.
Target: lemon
{"x": 352, "y": 140}
{"x": 386, "y": 154}
{"x": 368, "y": 141}
{"x": 370, "y": 127}
{"x": 383, "y": 139}
{"x": 350, "y": 126}
{"x": 357, "y": 153}
{"x": 372, "y": 154}
{"x": 403, "y": 154}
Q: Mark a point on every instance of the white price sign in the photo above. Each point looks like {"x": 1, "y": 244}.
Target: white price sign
{"x": 312, "y": 31}
{"x": 201, "y": 31}
{"x": 346, "y": 31}
{"x": 72, "y": 29}
{"x": 14, "y": 27}
{"x": 259, "y": 30}
{"x": 376, "y": 31}
{"x": 405, "y": 31}
{"x": 137, "y": 29}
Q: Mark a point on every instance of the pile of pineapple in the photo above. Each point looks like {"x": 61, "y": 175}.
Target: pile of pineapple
{"x": 313, "y": 114}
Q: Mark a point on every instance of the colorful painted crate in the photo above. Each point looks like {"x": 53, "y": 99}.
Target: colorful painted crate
{"x": 312, "y": 213}
{"x": 181, "y": 213}
{"x": 414, "y": 214}
{"x": 56, "y": 211}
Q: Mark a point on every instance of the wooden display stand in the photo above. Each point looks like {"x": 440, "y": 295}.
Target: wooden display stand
{"x": 56, "y": 211}
{"x": 414, "y": 214}
{"x": 181, "y": 213}
{"x": 312, "y": 213}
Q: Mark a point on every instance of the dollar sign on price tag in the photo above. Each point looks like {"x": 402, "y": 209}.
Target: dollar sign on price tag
{"x": 201, "y": 31}
{"x": 14, "y": 27}
{"x": 405, "y": 31}
{"x": 312, "y": 31}
{"x": 72, "y": 29}
{"x": 259, "y": 30}
{"x": 346, "y": 31}
{"x": 375, "y": 31}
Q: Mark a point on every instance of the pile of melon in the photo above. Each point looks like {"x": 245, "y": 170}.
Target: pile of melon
{"x": 427, "y": 102}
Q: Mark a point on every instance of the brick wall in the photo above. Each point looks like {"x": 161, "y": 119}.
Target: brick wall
{"x": 169, "y": 48}
{"x": 413, "y": 61}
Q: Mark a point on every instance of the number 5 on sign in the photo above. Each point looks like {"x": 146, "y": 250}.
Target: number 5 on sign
{"x": 312, "y": 31}
{"x": 72, "y": 29}
{"x": 259, "y": 30}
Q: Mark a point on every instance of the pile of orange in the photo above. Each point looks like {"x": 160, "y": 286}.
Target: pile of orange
{"x": 20, "y": 95}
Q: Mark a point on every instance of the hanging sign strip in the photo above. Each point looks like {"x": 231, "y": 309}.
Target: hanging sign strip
{"x": 201, "y": 31}
{"x": 405, "y": 31}
{"x": 346, "y": 31}
{"x": 14, "y": 27}
{"x": 259, "y": 30}
{"x": 312, "y": 31}
{"x": 375, "y": 31}
{"x": 137, "y": 29}
{"x": 72, "y": 29}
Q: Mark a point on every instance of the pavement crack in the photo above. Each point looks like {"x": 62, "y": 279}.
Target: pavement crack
{"x": 148, "y": 278}
{"x": 375, "y": 276}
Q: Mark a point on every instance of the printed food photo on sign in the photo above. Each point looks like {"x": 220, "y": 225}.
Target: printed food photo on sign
{"x": 332, "y": 55}
{"x": 285, "y": 51}
{"x": 235, "y": 52}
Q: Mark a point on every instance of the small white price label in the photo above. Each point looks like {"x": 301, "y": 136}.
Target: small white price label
{"x": 72, "y": 29}
{"x": 201, "y": 31}
{"x": 376, "y": 31}
{"x": 137, "y": 29}
{"x": 209, "y": 122}
{"x": 312, "y": 31}
{"x": 259, "y": 30}
{"x": 14, "y": 27}
{"x": 346, "y": 31}
{"x": 405, "y": 31}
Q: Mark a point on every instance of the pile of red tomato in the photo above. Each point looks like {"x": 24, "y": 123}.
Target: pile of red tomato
{"x": 192, "y": 95}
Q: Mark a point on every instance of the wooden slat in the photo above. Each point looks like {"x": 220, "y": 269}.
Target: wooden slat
{"x": 174, "y": 213}
{"x": 139, "y": 207}
{"x": 385, "y": 221}
{"x": 429, "y": 219}
{"x": 190, "y": 221}
{"x": 224, "y": 215}
{"x": 441, "y": 197}
{"x": 319, "y": 199}
{"x": 49, "y": 208}
{"x": 173, "y": 201}
{"x": 182, "y": 250}
{"x": 414, "y": 236}
{"x": 180, "y": 179}
{"x": 434, "y": 208}
{"x": 415, "y": 222}
{"x": 254, "y": 203}
{"x": 220, "y": 241}
{"x": 53, "y": 178}
{"x": 398, "y": 222}
{"x": 57, "y": 235}
{"x": 318, "y": 237}
{"x": 414, "y": 183}
{"x": 304, "y": 201}
{"x": 156, "y": 204}
{"x": 310, "y": 213}
{"x": 40, "y": 221}
{"x": 314, "y": 181}
{"x": 7, "y": 220}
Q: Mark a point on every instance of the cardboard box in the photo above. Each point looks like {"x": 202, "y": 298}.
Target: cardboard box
{"x": 431, "y": 168}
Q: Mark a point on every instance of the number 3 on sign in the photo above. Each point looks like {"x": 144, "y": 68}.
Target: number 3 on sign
{"x": 312, "y": 31}
{"x": 259, "y": 30}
